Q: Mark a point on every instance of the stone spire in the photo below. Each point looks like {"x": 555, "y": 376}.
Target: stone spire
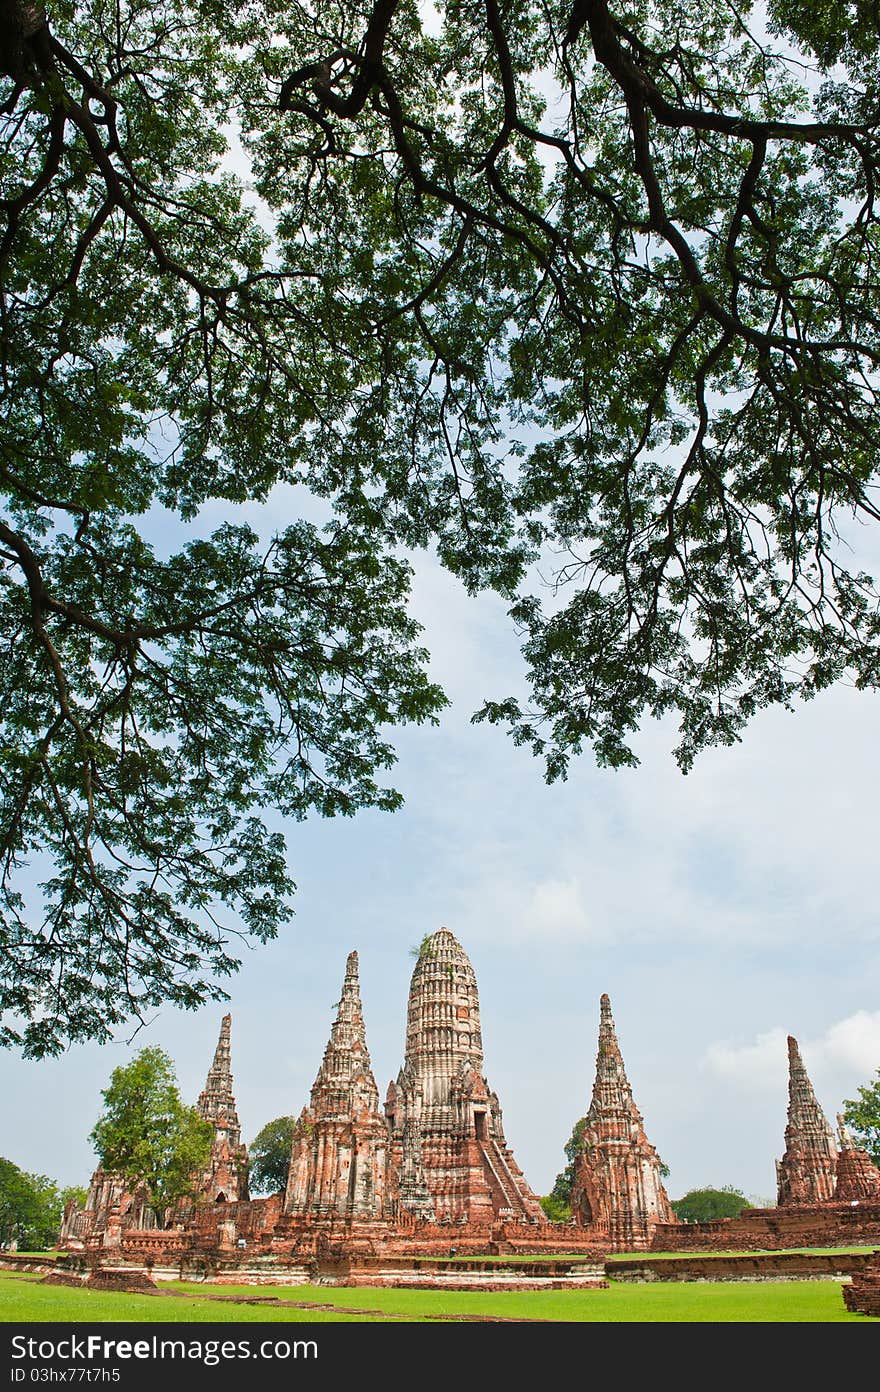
{"x": 449, "y": 1141}
{"x": 807, "y": 1172}
{"x": 617, "y": 1186}
{"x": 612, "y": 1094}
{"x": 217, "y": 1098}
{"x": 857, "y": 1176}
{"x": 345, "y": 1078}
{"x": 226, "y": 1176}
{"x": 339, "y": 1159}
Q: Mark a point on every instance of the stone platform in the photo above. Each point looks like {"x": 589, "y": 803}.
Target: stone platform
{"x": 475, "y": 1273}
{"x": 471, "y": 1274}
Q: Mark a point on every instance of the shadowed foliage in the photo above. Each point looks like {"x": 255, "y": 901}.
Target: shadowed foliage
{"x": 582, "y": 295}
{"x": 269, "y": 1155}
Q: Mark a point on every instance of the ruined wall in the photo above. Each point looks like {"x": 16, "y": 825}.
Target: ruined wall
{"x": 826, "y": 1225}
{"x": 863, "y": 1296}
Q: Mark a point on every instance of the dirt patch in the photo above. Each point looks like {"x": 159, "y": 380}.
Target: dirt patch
{"x": 131, "y": 1282}
{"x": 139, "y": 1283}
{"x": 276, "y": 1303}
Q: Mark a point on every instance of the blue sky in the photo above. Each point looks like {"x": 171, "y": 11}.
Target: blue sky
{"x": 721, "y": 911}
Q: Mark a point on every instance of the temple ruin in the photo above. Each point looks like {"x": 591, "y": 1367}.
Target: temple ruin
{"x": 112, "y": 1208}
{"x": 827, "y": 1196}
{"x": 857, "y": 1176}
{"x": 813, "y": 1169}
{"x": 432, "y": 1176}
{"x": 226, "y": 1178}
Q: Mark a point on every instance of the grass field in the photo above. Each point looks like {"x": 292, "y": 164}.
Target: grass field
{"x": 25, "y": 1300}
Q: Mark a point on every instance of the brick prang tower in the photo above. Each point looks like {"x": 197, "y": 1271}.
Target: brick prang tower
{"x": 226, "y": 1178}
{"x": 617, "y": 1186}
{"x": 858, "y": 1178}
{"x": 449, "y": 1146}
{"x": 807, "y": 1172}
{"x": 339, "y": 1159}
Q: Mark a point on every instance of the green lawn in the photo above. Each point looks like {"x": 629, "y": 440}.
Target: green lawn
{"x": 717, "y": 1302}
{"x": 22, "y": 1301}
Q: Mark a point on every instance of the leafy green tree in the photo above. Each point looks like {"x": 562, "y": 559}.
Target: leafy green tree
{"x": 17, "y": 1203}
{"x": 30, "y": 1208}
{"x": 574, "y": 281}
{"x": 560, "y": 1194}
{"x": 269, "y": 1155}
{"x": 862, "y": 1116}
{"x": 705, "y": 1205}
{"x": 555, "y": 1209}
{"x": 72, "y": 1193}
{"x": 147, "y": 1135}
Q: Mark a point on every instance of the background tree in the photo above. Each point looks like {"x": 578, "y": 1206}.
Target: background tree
{"x": 705, "y": 1205}
{"x": 862, "y": 1116}
{"x": 31, "y": 1207}
{"x": 573, "y": 282}
{"x": 560, "y": 1194}
{"x": 18, "y": 1205}
{"x": 269, "y": 1155}
{"x": 148, "y": 1136}
{"x": 554, "y": 1209}
{"x": 73, "y": 1193}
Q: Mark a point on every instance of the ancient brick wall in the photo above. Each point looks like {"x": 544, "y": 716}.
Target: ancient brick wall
{"x": 826, "y": 1225}
{"x": 763, "y": 1266}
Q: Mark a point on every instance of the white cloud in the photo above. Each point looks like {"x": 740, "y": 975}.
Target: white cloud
{"x": 847, "y": 1054}
{"x": 854, "y": 1043}
{"x": 556, "y": 909}
{"x": 751, "y": 1066}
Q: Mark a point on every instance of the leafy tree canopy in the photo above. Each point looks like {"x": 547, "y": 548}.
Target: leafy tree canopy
{"x": 705, "y": 1205}
{"x": 30, "y": 1208}
{"x": 555, "y": 1209}
{"x": 147, "y": 1135}
{"x": 269, "y": 1155}
{"x": 583, "y": 282}
{"x": 560, "y": 1194}
{"x": 862, "y": 1116}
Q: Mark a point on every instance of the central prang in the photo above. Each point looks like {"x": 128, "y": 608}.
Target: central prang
{"x": 447, "y": 1135}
